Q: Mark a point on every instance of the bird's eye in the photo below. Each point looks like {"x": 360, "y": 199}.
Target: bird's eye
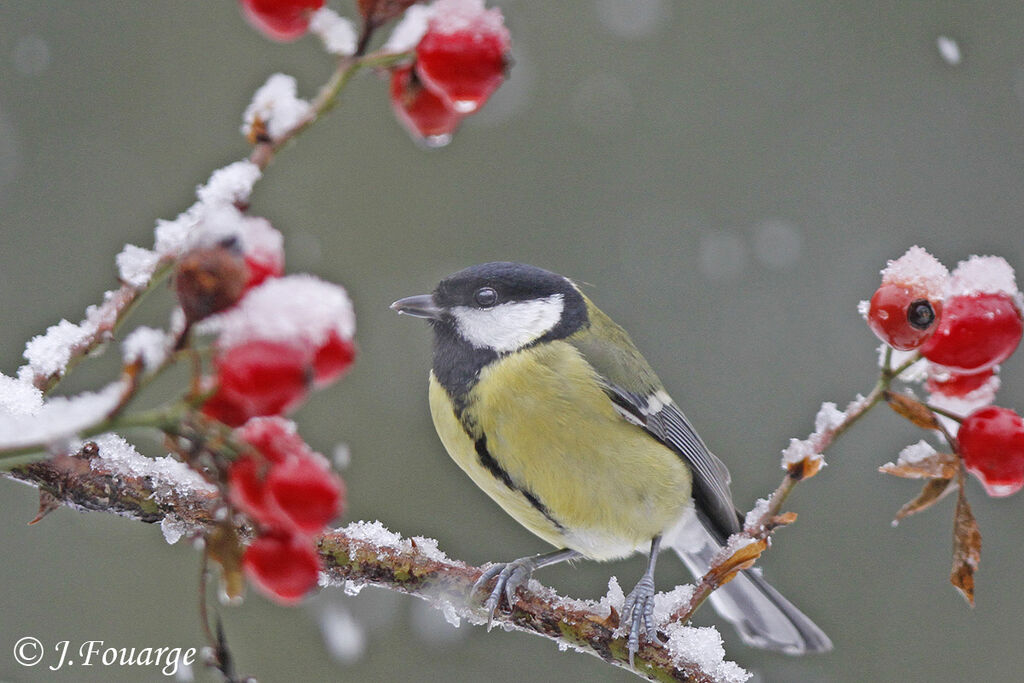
{"x": 920, "y": 314}
{"x": 486, "y": 297}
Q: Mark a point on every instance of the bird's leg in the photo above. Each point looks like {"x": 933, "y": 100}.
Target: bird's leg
{"x": 638, "y": 610}
{"x": 512, "y": 575}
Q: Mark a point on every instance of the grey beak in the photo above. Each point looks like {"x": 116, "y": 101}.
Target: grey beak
{"x": 419, "y": 306}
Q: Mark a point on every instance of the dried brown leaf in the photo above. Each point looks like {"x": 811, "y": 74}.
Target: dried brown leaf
{"x": 966, "y": 549}
{"x": 912, "y": 409}
{"x": 47, "y": 504}
{"x": 743, "y": 558}
{"x": 938, "y": 466}
{"x": 804, "y": 469}
{"x": 934, "y": 490}
{"x": 224, "y": 547}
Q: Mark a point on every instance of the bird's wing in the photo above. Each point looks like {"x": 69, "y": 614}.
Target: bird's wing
{"x": 641, "y": 399}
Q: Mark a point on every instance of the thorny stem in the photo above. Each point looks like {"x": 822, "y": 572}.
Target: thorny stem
{"x": 762, "y": 527}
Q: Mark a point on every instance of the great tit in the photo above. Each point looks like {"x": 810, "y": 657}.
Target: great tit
{"x": 549, "y": 407}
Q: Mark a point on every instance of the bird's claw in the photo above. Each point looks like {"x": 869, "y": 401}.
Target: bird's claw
{"x": 511, "y": 576}
{"x": 638, "y": 613}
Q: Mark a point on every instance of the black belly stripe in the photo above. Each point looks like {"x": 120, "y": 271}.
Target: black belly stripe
{"x": 492, "y": 466}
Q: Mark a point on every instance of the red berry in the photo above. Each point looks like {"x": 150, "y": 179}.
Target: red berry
{"x": 261, "y": 267}
{"x": 464, "y": 53}
{"x": 275, "y": 438}
{"x": 284, "y": 567}
{"x": 281, "y": 20}
{"x": 332, "y": 359}
{"x": 976, "y": 332}
{"x": 258, "y": 378}
{"x": 426, "y": 116}
{"x": 958, "y": 385}
{"x": 902, "y": 315}
{"x": 246, "y": 485}
{"x": 992, "y": 446}
{"x": 306, "y": 493}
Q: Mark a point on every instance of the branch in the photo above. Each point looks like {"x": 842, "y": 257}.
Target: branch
{"x": 165, "y": 491}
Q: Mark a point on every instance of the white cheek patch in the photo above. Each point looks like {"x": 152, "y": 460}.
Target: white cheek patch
{"x": 507, "y": 327}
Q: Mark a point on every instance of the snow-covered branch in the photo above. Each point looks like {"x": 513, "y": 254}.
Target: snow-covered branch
{"x": 108, "y": 475}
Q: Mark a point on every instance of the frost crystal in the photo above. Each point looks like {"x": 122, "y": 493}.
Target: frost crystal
{"x": 135, "y": 265}
{"x": 756, "y": 513}
{"x": 166, "y": 474}
{"x": 703, "y": 647}
{"x": 231, "y": 184}
{"x": 173, "y": 528}
{"x": 146, "y": 344}
{"x": 915, "y": 453}
{"x": 298, "y": 308}
{"x": 276, "y": 106}
{"x": 337, "y": 33}
{"x": 18, "y": 397}
{"x": 667, "y": 604}
{"x": 58, "y": 419}
{"x": 918, "y": 267}
{"x": 407, "y": 34}
{"x": 828, "y": 418}
{"x": 613, "y": 598}
{"x": 49, "y": 353}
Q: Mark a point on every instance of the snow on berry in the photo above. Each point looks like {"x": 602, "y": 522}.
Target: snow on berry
{"x": 280, "y": 20}
{"x": 337, "y": 33}
{"x": 301, "y": 310}
{"x": 992, "y": 446}
{"x": 285, "y": 568}
{"x": 260, "y": 244}
{"x": 464, "y": 53}
{"x": 275, "y": 109}
{"x": 426, "y": 116}
{"x": 981, "y": 324}
{"x": 920, "y": 269}
{"x": 905, "y": 309}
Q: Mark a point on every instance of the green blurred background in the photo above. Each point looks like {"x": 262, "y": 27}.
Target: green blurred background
{"x": 729, "y": 176}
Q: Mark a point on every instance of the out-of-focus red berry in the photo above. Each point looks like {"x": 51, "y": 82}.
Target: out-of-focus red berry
{"x": 261, "y": 268}
{"x": 284, "y": 567}
{"x": 306, "y": 494}
{"x": 992, "y": 446}
{"x": 275, "y": 438}
{"x": 426, "y": 116}
{"x": 902, "y": 315}
{"x": 975, "y": 333}
{"x": 281, "y": 20}
{"x": 332, "y": 359}
{"x": 464, "y": 53}
{"x": 958, "y": 385}
{"x": 258, "y": 378}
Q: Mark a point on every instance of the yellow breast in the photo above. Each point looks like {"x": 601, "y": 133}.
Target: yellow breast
{"x": 563, "y": 462}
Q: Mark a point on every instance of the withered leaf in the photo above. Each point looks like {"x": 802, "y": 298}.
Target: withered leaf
{"x": 934, "y": 490}
{"x": 47, "y": 504}
{"x": 966, "y": 548}
{"x": 912, "y": 409}
{"x": 743, "y": 558}
{"x": 938, "y": 466}
{"x": 224, "y": 547}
